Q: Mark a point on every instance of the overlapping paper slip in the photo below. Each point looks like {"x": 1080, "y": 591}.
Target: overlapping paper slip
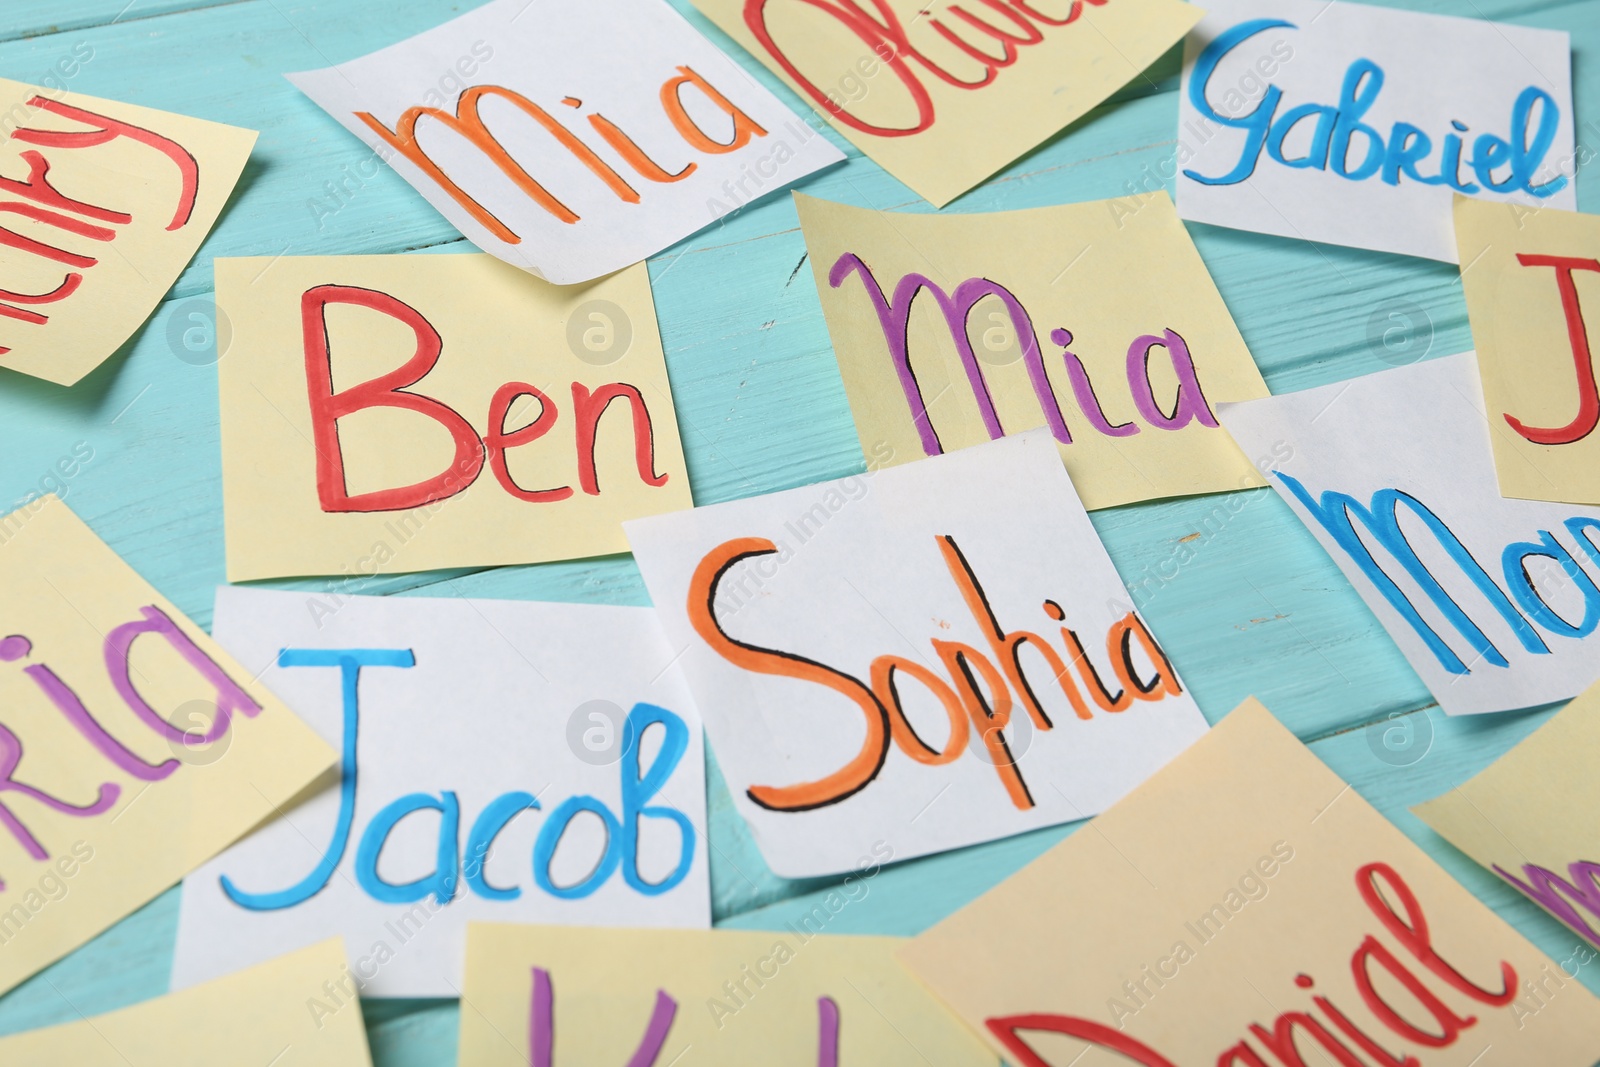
{"x": 132, "y": 748}
{"x": 106, "y": 203}
{"x": 914, "y": 659}
{"x": 1356, "y": 124}
{"x": 1246, "y": 907}
{"x": 1493, "y": 601}
{"x": 571, "y": 139}
{"x": 1031, "y": 318}
{"x": 383, "y": 414}
{"x": 256, "y": 1016}
{"x": 1528, "y": 816}
{"x": 944, "y": 95}
{"x": 699, "y": 998}
{"x": 1532, "y": 281}
{"x": 500, "y": 760}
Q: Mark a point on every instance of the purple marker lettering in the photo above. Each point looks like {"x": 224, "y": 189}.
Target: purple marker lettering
{"x": 1190, "y": 404}
{"x": 66, "y": 701}
{"x": 10, "y": 756}
{"x": 230, "y": 698}
{"x": 1083, "y": 389}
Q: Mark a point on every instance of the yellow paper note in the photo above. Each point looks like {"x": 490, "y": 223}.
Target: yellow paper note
{"x": 132, "y": 748}
{"x": 1096, "y": 320}
{"x": 1240, "y": 905}
{"x": 384, "y": 414}
{"x": 943, "y": 94}
{"x": 1530, "y": 817}
{"x": 254, "y": 1017}
{"x": 105, "y": 204}
{"x": 1532, "y": 279}
{"x": 571, "y": 997}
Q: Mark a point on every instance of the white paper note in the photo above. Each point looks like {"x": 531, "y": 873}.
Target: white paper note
{"x": 854, "y": 647}
{"x": 1355, "y": 125}
{"x": 1494, "y": 601}
{"x": 571, "y": 139}
{"x": 467, "y": 714}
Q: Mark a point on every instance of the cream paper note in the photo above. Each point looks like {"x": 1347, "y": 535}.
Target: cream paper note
{"x": 1097, "y": 320}
{"x": 132, "y": 747}
{"x": 383, "y": 414}
{"x": 1245, "y": 907}
{"x": 105, "y": 204}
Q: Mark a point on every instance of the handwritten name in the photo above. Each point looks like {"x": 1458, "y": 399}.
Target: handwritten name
{"x": 1390, "y": 900}
{"x": 978, "y": 50}
{"x": 956, "y": 305}
{"x": 396, "y": 389}
{"x": 1524, "y": 609}
{"x": 639, "y": 787}
{"x": 1337, "y": 132}
{"x": 978, "y": 699}
{"x": 230, "y": 700}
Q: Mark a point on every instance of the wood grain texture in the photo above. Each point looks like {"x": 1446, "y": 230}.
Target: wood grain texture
{"x": 1251, "y": 605}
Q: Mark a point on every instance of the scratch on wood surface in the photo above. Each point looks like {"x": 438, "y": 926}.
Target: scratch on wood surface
{"x": 797, "y": 267}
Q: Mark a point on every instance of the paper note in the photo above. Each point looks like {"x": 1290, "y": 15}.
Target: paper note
{"x": 132, "y": 748}
{"x": 105, "y": 205}
{"x": 571, "y": 139}
{"x": 1246, "y": 908}
{"x": 942, "y": 95}
{"x": 1355, "y": 125}
{"x": 1529, "y": 277}
{"x": 383, "y": 414}
{"x": 1493, "y": 601}
{"x": 1528, "y": 817}
{"x": 500, "y": 760}
{"x": 913, "y": 659}
{"x": 700, "y": 998}
{"x": 257, "y": 1016}
{"x": 1028, "y": 319}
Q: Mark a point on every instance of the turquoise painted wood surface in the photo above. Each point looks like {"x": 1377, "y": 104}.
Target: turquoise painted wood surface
{"x": 1241, "y": 595}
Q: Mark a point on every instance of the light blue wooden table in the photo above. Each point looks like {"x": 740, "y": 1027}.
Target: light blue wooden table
{"x": 1242, "y": 597}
